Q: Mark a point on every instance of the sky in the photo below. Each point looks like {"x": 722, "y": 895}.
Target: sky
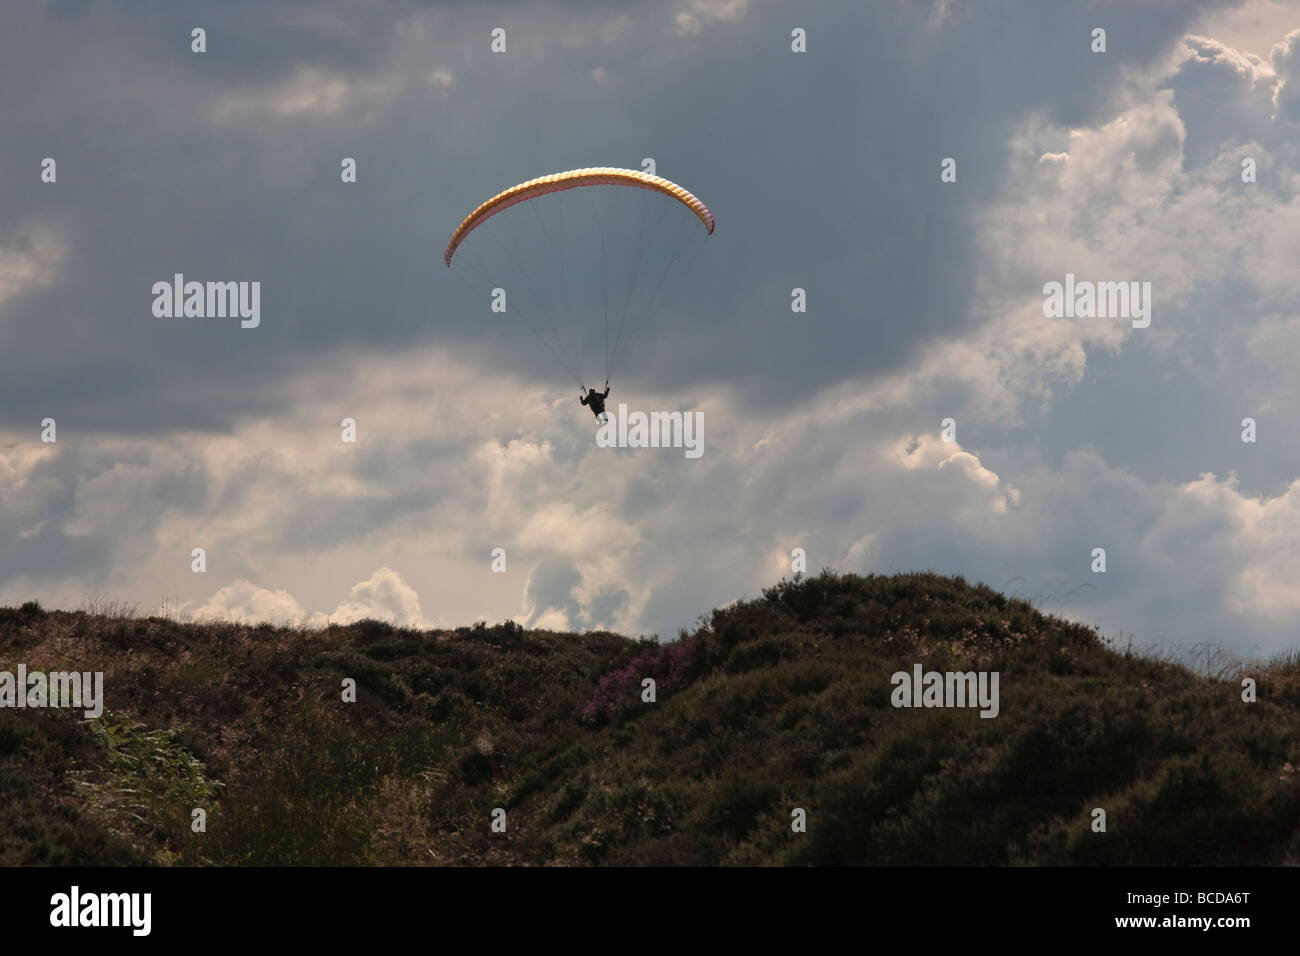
{"x": 822, "y": 428}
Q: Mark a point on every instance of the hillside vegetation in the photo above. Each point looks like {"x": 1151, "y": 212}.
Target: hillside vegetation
{"x": 772, "y": 705}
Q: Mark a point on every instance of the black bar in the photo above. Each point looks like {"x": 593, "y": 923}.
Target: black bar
{"x": 585, "y": 906}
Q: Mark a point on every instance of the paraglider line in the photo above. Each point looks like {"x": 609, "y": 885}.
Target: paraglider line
{"x": 636, "y": 274}
{"x": 604, "y": 280}
{"x": 523, "y": 316}
{"x": 519, "y": 264}
{"x": 678, "y": 247}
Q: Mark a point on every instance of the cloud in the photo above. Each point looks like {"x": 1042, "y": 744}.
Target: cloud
{"x": 29, "y": 259}
{"x": 697, "y": 13}
{"x": 1252, "y": 26}
{"x": 1285, "y": 58}
{"x": 1244, "y": 544}
{"x": 385, "y": 597}
{"x": 565, "y": 529}
{"x": 312, "y": 92}
{"x": 1248, "y": 67}
{"x": 550, "y": 594}
{"x": 245, "y": 602}
{"x": 633, "y": 541}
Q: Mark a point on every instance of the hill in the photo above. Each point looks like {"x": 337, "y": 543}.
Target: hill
{"x": 770, "y": 705}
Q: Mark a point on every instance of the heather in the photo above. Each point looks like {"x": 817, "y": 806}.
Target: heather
{"x": 768, "y": 705}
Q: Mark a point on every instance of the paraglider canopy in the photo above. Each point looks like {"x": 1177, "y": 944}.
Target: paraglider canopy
{"x": 558, "y": 267}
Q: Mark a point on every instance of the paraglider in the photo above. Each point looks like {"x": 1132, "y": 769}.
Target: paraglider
{"x": 596, "y": 402}
{"x": 593, "y": 250}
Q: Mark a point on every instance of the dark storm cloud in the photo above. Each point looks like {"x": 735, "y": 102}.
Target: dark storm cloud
{"x": 823, "y": 169}
{"x": 551, "y": 586}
